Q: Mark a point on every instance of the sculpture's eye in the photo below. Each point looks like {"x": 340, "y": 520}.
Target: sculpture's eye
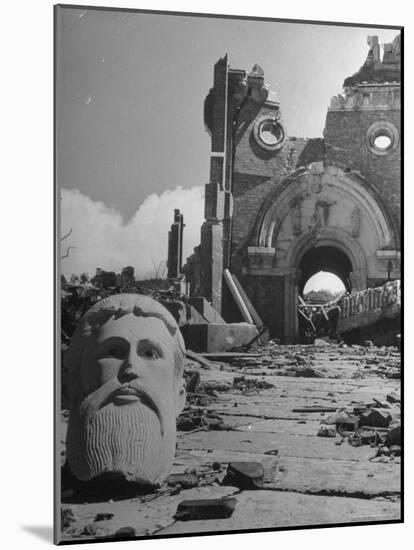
{"x": 116, "y": 351}
{"x": 150, "y": 354}
{"x": 149, "y": 350}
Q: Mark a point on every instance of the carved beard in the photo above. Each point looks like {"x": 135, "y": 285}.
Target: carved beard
{"x": 130, "y": 439}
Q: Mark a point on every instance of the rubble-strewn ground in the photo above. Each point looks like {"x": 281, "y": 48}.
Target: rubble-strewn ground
{"x": 267, "y": 409}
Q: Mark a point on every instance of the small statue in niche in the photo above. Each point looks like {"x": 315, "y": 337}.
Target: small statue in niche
{"x": 321, "y": 214}
{"x": 355, "y": 222}
{"x": 296, "y": 215}
{"x": 125, "y": 372}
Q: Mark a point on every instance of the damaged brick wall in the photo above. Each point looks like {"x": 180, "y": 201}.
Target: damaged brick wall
{"x": 253, "y": 158}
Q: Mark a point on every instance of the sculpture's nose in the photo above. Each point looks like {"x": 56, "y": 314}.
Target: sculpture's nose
{"x": 129, "y": 371}
{"x": 127, "y": 374}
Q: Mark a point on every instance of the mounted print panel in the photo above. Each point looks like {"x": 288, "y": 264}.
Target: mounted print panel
{"x": 228, "y": 203}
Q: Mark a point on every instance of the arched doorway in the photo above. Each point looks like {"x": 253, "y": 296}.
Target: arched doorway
{"x": 325, "y": 275}
{"x": 325, "y": 258}
{"x": 319, "y": 218}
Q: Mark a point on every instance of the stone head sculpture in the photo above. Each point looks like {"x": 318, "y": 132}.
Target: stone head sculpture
{"x": 125, "y": 383}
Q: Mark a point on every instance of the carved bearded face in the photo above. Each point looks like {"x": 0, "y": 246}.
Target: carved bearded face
{"x": 126, "y": 389}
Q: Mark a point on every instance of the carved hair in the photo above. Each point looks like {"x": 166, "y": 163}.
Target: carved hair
{"x": 117, "y": 306}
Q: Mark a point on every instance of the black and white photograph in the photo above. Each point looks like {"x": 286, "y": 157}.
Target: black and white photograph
{"x": 228, "y": 207}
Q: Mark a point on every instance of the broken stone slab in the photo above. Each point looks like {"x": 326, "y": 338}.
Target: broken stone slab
{"x": 394, "y": 436}
{"x": 103, "y": 517}
{"x": 395, "y": 450}
{"x": 125, "y": 533}
{"x": 314, "y": 409}
{"x": 369, "y": 436}
{"x": 244, "y": 475}
{"x": 198, "y": 358}
{"x": 380, "y": 418}
{"x": 185, "y": 480}
{"x": 393, "y": 397}
{"x": 309, "y": 372}
{"x": 380, "y": 404}
{"x": 215, "y": 385}
{"x": 241, "y": 383}
{"x": 218, "y": 337}
{"x": 200, "y": 509}
{"x": 344, "y": 421}
{"x": 326, "y": 431}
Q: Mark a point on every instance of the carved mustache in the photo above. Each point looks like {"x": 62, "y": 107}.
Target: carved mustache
{"x": 108, "y": 391}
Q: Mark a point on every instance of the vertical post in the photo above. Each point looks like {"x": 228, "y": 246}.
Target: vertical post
{"x": 291, "y": 304}
{"x": 175, "y": 246}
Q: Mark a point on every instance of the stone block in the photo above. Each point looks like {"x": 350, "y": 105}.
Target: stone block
{"x": 216, "y": 337}
{"x": 205, "y": 309}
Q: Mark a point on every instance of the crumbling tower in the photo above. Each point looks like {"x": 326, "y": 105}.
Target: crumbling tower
{"x": 175, "y": 246}
{"x": 232, "y": 103}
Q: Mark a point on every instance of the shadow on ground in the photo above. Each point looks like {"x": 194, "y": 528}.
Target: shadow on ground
{"x": 41, "y": 532}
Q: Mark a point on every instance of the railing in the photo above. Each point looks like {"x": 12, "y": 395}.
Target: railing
{"x": 371, "y": 299}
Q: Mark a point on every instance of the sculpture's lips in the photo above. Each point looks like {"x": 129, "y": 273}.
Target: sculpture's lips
{"x": 128, "y": 392}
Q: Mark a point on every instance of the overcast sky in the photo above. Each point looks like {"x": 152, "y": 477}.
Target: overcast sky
{"x": 130, "y": 117}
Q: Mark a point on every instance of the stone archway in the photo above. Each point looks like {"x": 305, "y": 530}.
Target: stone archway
{"x": 321, "y": 209}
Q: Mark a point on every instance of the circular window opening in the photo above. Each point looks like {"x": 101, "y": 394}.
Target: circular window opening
{"x": 271, "y": 132}
{"x": 382, "y": 142}
{"x": 382, "y": 138}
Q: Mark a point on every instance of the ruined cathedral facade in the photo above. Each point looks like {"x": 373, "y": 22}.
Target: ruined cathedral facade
{"x": 279, "y": 208}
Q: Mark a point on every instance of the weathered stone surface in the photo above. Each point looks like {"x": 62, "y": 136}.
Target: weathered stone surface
{"x": 341, "y": 477}
{"x": 145, "y": 517}
{"x": 268, "y": 509}
{"x": 304, "y": 475}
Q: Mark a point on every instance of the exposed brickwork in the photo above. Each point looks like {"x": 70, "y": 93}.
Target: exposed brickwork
{"x": 254, "y": 164}
{"x": 346, "y": 147}
{"x": 267, "y": 295}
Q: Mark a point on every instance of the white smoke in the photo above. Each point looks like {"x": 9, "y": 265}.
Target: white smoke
{"x": 102, "y": 239}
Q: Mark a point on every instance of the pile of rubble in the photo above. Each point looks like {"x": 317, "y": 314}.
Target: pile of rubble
{"x": 376, "y": 424}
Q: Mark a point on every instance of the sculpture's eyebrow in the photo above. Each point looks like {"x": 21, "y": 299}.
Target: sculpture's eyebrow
{"x": 152, "y": 343}
{"x": 141, "y": 313}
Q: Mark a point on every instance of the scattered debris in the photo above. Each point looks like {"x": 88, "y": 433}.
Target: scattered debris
{"x": 314, "y": 409}
{"x": 393, "y": 397}
{"x": 184, "y": 480}
{"x": 308, "y": 372}
{"x": 210, "y": 386}
{"x": 344, "y": 421}
{"x": 125, "y": 532}
{"x": 376, "y": 417}
{"x": 244, "y": 475}
{"x": 394, "y": 436}
{"x": 214, "y": 508}
{"x": 66, "y": 517}
{"x": 248, "y": 384}
{"x": 193, "y": 382}
{"x": 103, "y": 516}
{"x": 326, "y": 431}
